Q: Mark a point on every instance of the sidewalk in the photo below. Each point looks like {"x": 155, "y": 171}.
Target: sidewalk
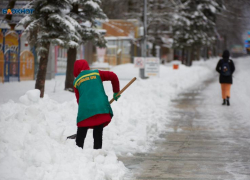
{"x": 204, "y": 141}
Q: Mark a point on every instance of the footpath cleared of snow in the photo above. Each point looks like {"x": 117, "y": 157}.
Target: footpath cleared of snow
{"x": 33, "y": 131}
{"x": 230, "y": 124}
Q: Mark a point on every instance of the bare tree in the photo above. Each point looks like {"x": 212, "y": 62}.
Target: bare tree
{"x": 114, "y": 9}
{"x": 232, "y": 23}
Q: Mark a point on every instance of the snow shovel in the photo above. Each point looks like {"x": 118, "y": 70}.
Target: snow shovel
{"x": 112, "y": 100}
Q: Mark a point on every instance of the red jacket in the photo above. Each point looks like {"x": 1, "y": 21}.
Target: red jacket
{"x": 81, "y": 65}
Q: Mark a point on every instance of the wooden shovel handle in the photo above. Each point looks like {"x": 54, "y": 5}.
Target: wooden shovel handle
{"x": 123, "y": 89}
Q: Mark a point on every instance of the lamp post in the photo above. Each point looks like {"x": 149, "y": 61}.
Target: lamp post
{"x": 4, "y": 28}
{"x": 144, "y": 42}
{"x": 19, "y": 29}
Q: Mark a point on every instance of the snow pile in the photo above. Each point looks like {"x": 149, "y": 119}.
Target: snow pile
{"x": 30, "y": 97}
{"x": 33, "y": 131}
{"x": 33, "y": 143}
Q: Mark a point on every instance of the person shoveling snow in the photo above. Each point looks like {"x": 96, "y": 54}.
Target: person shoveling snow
{"x": 94, "y": 110}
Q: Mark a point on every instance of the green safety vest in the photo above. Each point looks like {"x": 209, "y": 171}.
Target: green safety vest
{"x": 92, "y": 97}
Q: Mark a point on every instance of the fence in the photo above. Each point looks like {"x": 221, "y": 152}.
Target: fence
{"x": 13, "y": 70}
{"x": 11, "y": 66}
{"x": 26, "y": 66}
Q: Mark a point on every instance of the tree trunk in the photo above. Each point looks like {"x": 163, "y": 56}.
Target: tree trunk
{"x": 71, "y": 58}
{"x": 208, "y": 52}
{"x": 189, "y": 56}
{"x": 154, "y": 50}
{"x": 192, "y": 55}
{"x": 225, "y": 43}
{"x": 199, "y": 53}
{"x": 41, "y": 75}
{"x": 205, "y": 52}
{"x": 183, "y": 56}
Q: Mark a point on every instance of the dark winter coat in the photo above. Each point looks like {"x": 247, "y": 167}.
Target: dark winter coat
{"x": 226, "y": 79}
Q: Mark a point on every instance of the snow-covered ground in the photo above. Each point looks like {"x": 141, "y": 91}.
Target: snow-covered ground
{"x": 33, "y": 131}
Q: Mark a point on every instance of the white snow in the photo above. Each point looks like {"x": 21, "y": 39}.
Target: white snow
{"x": 212, "y": 8}
{"x": 30, "y": 97}
{"x": 33, "y": 131}
{"x": 100, "y": 65}
{"x": 86, "y": 24}
{"x": 93, "y": 4}
{"x": 49, "y": 8}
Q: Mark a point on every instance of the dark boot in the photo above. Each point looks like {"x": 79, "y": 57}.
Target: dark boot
{"x": 224, "y": 102}
{"x": 228, "y": 103}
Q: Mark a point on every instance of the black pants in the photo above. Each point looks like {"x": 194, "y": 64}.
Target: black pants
{"x": 97, "y": 135}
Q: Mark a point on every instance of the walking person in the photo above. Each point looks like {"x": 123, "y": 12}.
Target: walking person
{"x": 94, "y": 110}
{"x": 226, "y": 68}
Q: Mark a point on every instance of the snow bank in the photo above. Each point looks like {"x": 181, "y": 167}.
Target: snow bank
{"x": 33, "y": 143}
{"x": 30, "y": 97}
{"x": 33, "y": 131}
